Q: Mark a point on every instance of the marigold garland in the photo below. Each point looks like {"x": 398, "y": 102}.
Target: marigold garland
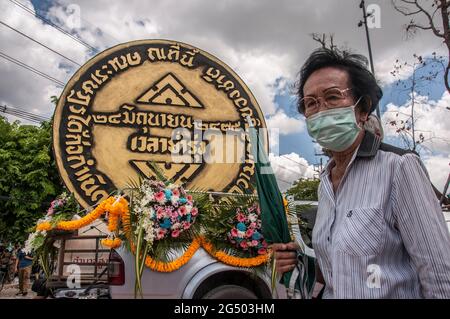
{"x": 118, "y": 209}
{"x": 126, "y": 222}
{"x": 112, "y": 243}
{"x": 114, "y": 206}
{"x": 175, "y": 264}
{"x": 233, "y": 260}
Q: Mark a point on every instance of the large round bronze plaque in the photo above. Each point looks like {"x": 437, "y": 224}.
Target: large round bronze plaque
{"x": 129, "y": 109}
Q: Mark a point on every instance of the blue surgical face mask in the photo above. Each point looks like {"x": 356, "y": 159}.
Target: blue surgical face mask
{"x": 334, "y": 129}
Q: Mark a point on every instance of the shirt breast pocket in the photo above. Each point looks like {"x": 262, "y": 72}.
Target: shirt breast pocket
{"x": 361, "y": 232}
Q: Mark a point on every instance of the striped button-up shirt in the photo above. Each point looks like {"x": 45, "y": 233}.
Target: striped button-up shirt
{"x": 382, "y": 234}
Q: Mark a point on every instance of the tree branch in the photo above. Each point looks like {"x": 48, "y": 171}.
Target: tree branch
{"x": 420, "y": 9}
{"x": 430, "y": 20}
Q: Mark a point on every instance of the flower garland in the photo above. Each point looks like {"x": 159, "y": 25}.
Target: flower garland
{"x": 116, "y": 207}
{"x": 233, "y": 260}
{"x": 112, "y": 243}
{"x": 118, "y": 210}
{"x": 179, "y": 262}
{"x": 175, "y": 264}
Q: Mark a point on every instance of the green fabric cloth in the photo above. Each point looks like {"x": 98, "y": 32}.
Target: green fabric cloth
{"x": 273, "y": 217}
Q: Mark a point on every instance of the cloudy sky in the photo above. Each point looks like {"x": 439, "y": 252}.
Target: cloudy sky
{"x": 264, "y": 41}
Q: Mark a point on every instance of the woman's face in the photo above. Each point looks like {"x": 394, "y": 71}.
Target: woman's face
{"x": 327, "y": 78}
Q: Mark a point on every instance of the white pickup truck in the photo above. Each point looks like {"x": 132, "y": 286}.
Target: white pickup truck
{"x": 110, "y": 274}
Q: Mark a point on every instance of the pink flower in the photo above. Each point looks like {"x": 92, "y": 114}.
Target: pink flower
{"x": 160, "y": 213}
{"x": 182, "y": 210}
{"x": 186, "y": 225}
{"x": 262, "y": 251}
{"x": 161, "y": 232}
{"x": 50, "y": 211}
{"x": 244, "y": 244}
{"x": 264, "y": 244}
{"x": 249, "y": 233}
{"x": 189, "y": 198}
{"x": 252, "y": 225}
{"x": 240, "y": 217}
{"x": 175, "y": 233}
{"x": 254, "y": 243}
{"x": 194, "y": 211}
{"x": 234, "y": 232}
{"x": 168, "y": 212}
{"x": 176, "y": 192}
{"x": 160, "y": 197}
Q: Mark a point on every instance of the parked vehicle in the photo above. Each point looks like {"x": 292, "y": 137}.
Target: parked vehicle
{"x": 110, "y": 274}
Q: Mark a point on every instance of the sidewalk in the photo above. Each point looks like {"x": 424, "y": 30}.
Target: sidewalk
{"x": 9, "y": 291}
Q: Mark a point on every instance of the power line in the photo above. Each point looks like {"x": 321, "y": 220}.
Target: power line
{"x": 28, "y": 37}
{"x": 29, "y": 68}
{"x": 18, "y": 112}
{"x": 23, "y": 114}
{"x": 20, "y": 5}
{"x": 285, "y": 156}
{"x": 285, "y": 167}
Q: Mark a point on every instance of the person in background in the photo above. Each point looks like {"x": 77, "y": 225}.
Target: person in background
{"x": 24, "y": 263}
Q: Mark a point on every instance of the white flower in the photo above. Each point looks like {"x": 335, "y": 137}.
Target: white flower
{"x": 241, "y": 234}
{"x": 29, "y": 243}
{"x": 174, "y": 199}
{"x": 252, "y": 218}
{"x": 149, "y": 232}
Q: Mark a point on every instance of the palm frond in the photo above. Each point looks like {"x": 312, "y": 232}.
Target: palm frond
{"x": 160, "y": 174}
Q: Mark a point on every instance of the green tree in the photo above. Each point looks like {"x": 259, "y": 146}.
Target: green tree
{"x": 28, "y": 177}
{"x": 305, "y": 189}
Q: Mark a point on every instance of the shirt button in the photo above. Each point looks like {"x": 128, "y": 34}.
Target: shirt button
{"x": 328, "y": 238}
{"x": 350, "y": 213}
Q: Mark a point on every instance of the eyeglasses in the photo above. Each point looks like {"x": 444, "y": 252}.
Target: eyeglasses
{"x": 332, "y": 98}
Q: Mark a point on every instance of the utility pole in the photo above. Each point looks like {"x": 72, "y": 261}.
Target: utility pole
{"x": 319, "y": 167}
{"x": 362, "y": 5}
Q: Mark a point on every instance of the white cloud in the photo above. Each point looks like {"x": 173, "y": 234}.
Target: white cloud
{"x": 431, "y": 121}
{"x": 286, "y": 125}
{"x": 18, "y": 86}
{"x": 289, "y": 168}
{"x": 281, "y": 124}
{"x": 438, "y": 168}
{"x": 261, "y": 40}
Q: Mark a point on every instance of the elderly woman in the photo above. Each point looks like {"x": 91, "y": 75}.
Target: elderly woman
{"x": 379, "y": 231}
